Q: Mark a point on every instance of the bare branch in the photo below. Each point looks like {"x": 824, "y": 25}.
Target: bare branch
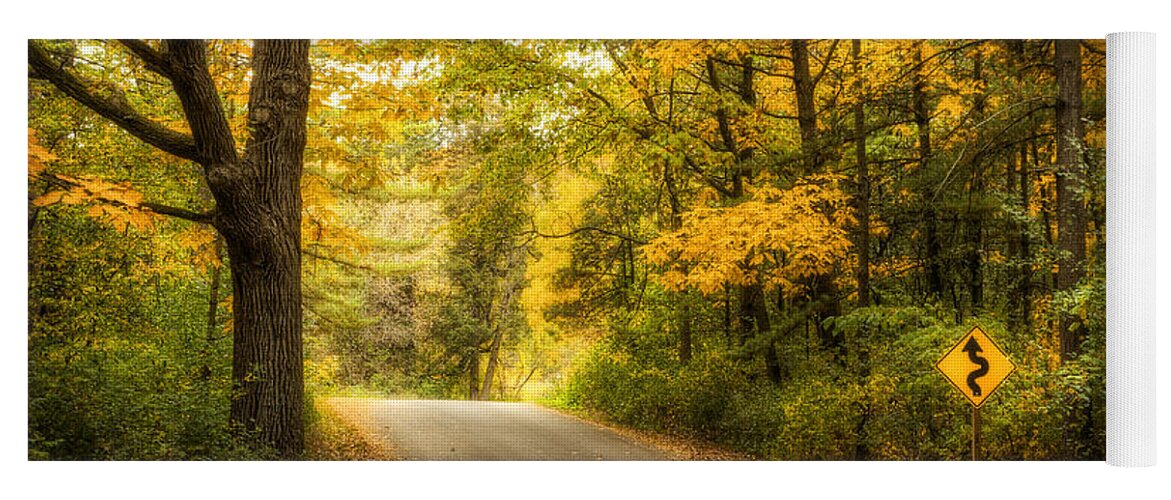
{"x": 535, "y": 232}
{"x": 825, "y": 64}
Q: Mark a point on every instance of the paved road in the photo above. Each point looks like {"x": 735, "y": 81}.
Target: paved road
{"x": 481, "y": 430}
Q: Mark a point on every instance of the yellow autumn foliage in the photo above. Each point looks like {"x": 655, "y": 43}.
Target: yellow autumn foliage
{"x": 38, "y": 156}
{"x": 775, "y": 239}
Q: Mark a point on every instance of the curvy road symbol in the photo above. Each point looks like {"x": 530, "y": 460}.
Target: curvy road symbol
{"x": 973, "y": 349}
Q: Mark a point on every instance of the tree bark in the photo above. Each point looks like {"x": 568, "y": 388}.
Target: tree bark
{"x": 1071, "y": 212}
{"x": 260, "y": 217}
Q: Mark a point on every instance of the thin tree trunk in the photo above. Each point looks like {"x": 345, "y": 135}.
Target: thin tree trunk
{"x": 932, "y": 244}
{"x": 213, "y": 307}
{"x": 728, "y": 315}
{"x": 213, "y": 295}
{"x": 806, "y": 107}
{"x": 764, "y": 328}
{"x": 493, "y": 360}
{"x": 862, "y": 197}
{"x": 754, "y": 322}
{"x": 684, "y": 332}
{"x": 824, "y": 292}
{"x": 474, "y": 376}
{"x": 974, "y": 224}
{"x": 675, "y": 221}
{"x": 1026, "y": 256}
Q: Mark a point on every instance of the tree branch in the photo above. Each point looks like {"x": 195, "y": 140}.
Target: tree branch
{"x": 158, "y": 208}
{"x": 201, "y": 103}
{"x": 825, "y": 64}
{"x": 335, "y": 260}
{"x": 112, "y": 108}
{"x": 607, "y": 232}
{"x": 154, "y": 60}
{"x": 181, "y": 213}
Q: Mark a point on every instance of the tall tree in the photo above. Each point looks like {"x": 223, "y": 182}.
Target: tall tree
{"x": 822, "y": 290}
{"x": 974, "y": 222}
{"x": 862, "y": 180}
{"x": 1071, "y": 212}
{"x": 921, "y": 109}
{"x": 258, "y": 206}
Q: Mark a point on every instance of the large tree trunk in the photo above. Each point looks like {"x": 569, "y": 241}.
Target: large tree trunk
{"x": 260, "y": 217}
{"x": 1071, "y": 212}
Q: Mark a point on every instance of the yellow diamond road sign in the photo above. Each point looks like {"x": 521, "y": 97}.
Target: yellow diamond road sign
{"x": 976, "y": 366}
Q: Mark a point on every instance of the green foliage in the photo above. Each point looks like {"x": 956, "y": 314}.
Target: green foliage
{"x": 120, "y": 366}
{"x": 890, "y": 404}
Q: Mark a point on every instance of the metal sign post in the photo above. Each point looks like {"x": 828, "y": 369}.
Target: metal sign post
{"x": 976, "y": 444}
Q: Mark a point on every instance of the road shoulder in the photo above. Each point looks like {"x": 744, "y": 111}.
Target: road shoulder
{"x": 675, "y": 447}
{"x": 339, "y": 433}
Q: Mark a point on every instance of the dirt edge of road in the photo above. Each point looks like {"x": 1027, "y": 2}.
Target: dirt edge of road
{"x": 340, "y": 434}
{"x": 676, "y": 447}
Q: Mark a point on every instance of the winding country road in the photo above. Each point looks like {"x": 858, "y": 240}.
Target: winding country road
{"x": 482, "y": 430}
